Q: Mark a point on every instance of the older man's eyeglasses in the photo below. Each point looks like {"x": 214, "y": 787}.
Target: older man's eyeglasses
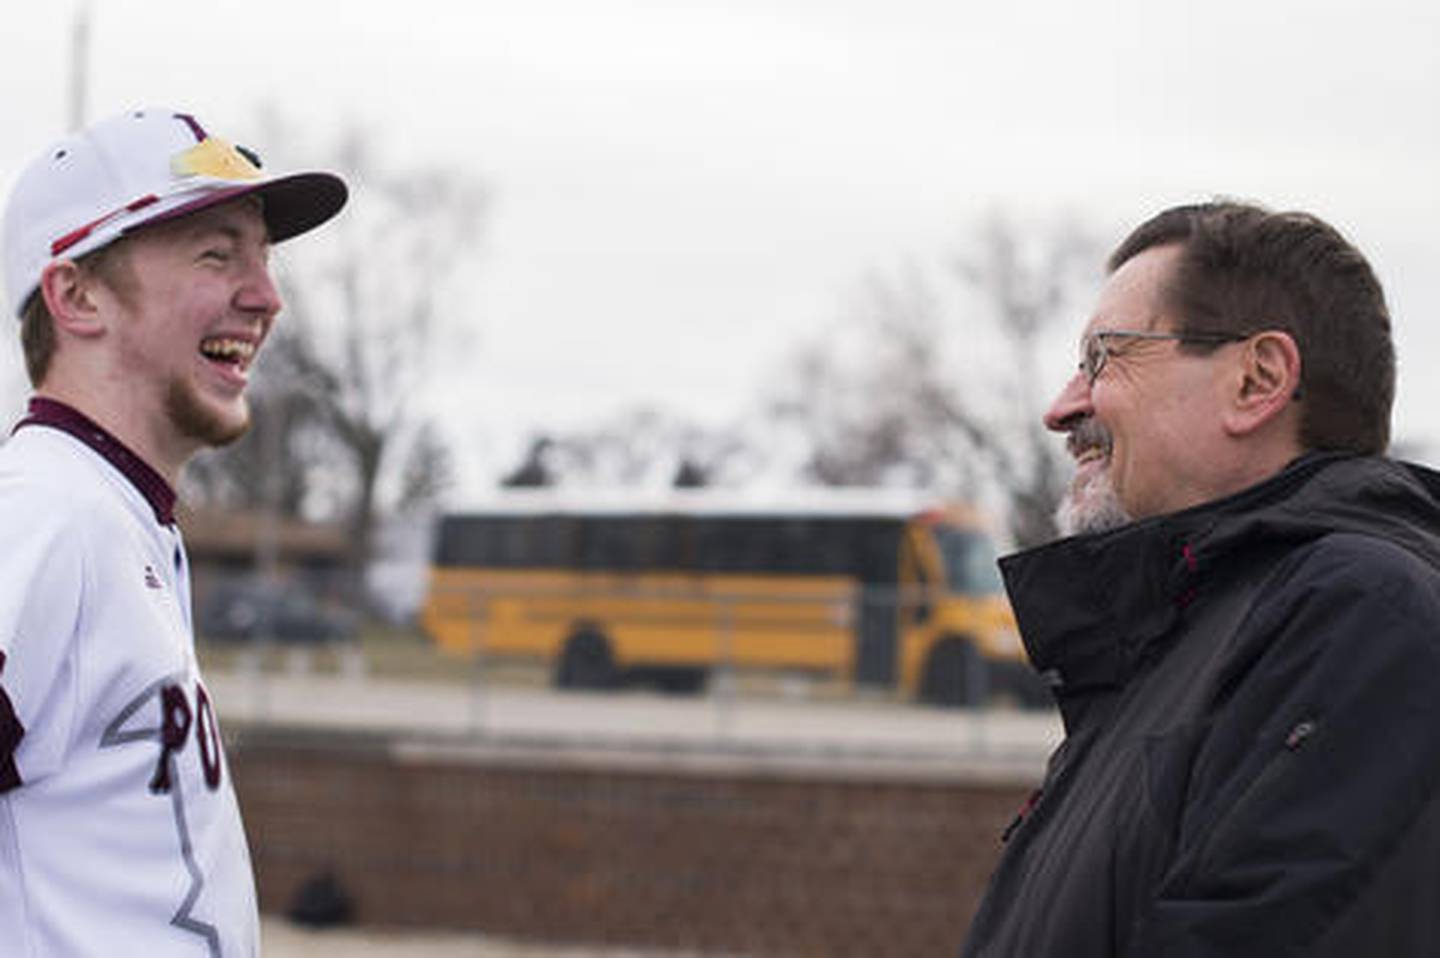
{"x": 1095, "y": 349}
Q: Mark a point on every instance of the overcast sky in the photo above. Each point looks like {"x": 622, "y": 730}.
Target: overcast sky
{"x": 683, "y": 190}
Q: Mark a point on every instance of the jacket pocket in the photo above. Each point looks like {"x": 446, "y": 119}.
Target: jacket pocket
{"x": 1255, "y": 820}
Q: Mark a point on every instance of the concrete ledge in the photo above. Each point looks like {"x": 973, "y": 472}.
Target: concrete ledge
{"x": 641, "y": 755}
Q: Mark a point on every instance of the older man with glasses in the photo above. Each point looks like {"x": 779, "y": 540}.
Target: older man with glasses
{"x": 1242, "y": 628}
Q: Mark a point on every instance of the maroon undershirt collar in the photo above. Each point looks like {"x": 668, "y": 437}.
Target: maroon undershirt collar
{"x": 152, "y": 485}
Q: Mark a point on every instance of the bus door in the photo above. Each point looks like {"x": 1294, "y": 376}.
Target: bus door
{"x": 917, "y": 612}
{"x": 875, "y": 548}
{"x": 874, "y": 634}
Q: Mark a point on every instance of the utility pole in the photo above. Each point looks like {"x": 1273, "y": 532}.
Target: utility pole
{"x": 79, "y": 64}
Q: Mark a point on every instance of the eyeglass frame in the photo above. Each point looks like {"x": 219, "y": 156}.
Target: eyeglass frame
{"x": 1092, "y": 368}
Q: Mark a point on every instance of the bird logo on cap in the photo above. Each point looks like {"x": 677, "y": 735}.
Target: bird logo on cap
{"x": 214, "y": 157}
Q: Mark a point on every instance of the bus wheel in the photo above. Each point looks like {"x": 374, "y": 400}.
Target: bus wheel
{"x": 587, "y": 663}
{"x": 679, "y": 679}
{"x": 954, "y": 675}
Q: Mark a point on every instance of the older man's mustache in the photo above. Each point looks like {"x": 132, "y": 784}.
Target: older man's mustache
{"x": 1089, "y": 434}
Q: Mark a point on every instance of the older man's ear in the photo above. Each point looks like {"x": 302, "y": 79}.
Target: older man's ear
{"x": 1262, "y": 383}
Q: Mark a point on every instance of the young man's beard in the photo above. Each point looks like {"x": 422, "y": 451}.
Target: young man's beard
{"x": 191, "y": 417}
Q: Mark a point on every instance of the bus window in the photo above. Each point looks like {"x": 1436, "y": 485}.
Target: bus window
{"x": 969, "y": 562}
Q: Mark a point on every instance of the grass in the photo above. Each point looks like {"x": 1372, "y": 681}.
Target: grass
{"x": 382, "y": 652}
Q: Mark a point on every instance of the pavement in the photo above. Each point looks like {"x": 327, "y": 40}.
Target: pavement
{"x": 281, "y": 939}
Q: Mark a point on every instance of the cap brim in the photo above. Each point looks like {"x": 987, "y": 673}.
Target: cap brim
{"x": 300, "y": 202}
{"x": 293, "y": 204}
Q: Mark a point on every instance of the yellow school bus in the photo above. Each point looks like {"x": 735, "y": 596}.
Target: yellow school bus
{"x": 666, "y": 590}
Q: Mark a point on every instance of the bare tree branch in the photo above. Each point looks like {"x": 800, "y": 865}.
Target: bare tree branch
{"x": 357, "y": 345}
{"x": 913, "y": 404}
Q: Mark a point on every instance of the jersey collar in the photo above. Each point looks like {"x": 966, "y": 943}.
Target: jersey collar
{"x": 149, "y": 483}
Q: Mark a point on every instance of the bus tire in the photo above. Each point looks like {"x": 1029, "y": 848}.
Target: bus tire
{"x": 954, "y": 674}
{"x": 587, "y": 663}
{"x": 680, "y": 679}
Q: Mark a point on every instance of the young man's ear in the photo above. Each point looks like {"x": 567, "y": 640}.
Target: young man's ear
{"x": 1265, "y": 383}
{"x": 71, "y": 295}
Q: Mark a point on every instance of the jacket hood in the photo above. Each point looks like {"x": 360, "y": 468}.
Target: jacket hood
{"x": 1088, "y": 605}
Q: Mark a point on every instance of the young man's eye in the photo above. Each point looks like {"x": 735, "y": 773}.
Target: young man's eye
{"x": 216, "y": 255}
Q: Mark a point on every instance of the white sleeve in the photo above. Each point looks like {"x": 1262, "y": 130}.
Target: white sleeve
{"x": 41, "y": 594}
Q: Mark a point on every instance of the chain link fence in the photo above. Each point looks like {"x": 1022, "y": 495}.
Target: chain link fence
{"x": 779, "y": 805}
{"x": 859, "y": 669}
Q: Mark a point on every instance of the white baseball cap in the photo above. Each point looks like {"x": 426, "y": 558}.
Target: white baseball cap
{"x": 92, "y": 187}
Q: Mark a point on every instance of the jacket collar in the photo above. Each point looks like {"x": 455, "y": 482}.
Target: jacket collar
{"x": 1092, "y": 607}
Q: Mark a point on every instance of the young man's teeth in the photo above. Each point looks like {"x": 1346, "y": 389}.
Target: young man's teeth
{"x": 228, "y": 348}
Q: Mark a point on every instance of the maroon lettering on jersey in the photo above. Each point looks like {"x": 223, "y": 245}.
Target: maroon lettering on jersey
{"x": 207, "y": 733}
{"x": 11, "y": 732}
{"x": 173, "y": 732}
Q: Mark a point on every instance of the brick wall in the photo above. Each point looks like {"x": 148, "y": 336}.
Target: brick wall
{"x": 727, "y": 854}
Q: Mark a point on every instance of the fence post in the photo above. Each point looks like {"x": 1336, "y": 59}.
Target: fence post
{"x": 977, "y": 682}
{"x": 475, "y": 602}
{"x": 252, "y": 666}
{"x": 725, "y": 672}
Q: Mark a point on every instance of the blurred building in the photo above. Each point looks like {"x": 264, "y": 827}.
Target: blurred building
{"x": 229, "y": 545}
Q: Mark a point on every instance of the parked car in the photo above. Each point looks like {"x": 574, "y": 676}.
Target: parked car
{"x": 249, "y": 610}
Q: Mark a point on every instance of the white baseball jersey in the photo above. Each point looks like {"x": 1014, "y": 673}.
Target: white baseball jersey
{"x": 119, "y": 829}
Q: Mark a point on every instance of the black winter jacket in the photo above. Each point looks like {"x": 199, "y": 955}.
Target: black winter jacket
{"x": 1251, "y": 698}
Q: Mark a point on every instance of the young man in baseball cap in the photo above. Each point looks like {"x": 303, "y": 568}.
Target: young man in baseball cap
{"x": 136, "y": 261}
